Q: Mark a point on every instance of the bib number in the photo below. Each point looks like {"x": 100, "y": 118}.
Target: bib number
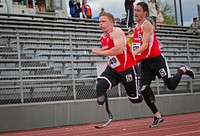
{"x": 135, "y": 46}
{"x": 113, "y": 61}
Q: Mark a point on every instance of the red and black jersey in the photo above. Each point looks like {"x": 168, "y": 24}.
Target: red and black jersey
{"x": 119, "y": 62}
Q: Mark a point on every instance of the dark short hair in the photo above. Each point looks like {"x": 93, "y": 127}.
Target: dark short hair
{"x": 195, "y": 18}
{"x": 144, "y": 6}
{"x": 108, "y": 15}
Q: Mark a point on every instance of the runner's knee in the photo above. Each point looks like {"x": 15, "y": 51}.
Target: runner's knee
{"x": 148, "y": 93}
{"x": 101, "y": 89}
{"x": 170, "y": 85}
{"x": 138, "y": 100}
{"x": 101, "y": 99}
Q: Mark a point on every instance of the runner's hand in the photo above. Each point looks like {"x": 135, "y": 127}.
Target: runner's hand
{"x": 97, "y": 51}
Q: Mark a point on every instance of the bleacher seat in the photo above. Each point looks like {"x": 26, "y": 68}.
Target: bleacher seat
{"x": 57, "y": 63}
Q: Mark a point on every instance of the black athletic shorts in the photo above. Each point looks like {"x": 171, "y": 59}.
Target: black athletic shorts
{"x": 152, "y": 67}
{"x": 128, "y": 78}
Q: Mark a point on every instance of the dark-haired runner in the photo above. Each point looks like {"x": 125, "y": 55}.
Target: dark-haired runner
{"x": 146, "y": 50}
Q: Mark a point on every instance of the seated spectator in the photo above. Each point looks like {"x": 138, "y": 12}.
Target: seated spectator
{"x": 97, "y": 17}
{"x": 102, "y": 11}
{"x": 159, "y": 18}
{"x": 86, "y": 10}
{"x": 195, "y": 27}
{"x": 123, "y": 21}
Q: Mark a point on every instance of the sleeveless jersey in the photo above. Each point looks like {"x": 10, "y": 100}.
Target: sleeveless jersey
{"x": 119, "y": 62}
{"x": 152, "y": 50}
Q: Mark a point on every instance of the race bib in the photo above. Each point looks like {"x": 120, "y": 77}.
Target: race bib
{"x": 113, "y": 61}
{"x": 135, "y": 46}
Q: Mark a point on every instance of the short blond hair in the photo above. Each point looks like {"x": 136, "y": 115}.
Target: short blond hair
{"x": 109, "y": 16}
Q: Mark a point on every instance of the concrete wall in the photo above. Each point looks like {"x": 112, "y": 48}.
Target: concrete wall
{"x": 40, "y": 115}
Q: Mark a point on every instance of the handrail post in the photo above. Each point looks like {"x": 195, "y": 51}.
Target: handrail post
{"x": 72, "y": 65}
{"x": 157, "y": 86}
{"x": 119, "y": 90}
{"x": 20, "y": 67}
{"x": 189, "y": 59}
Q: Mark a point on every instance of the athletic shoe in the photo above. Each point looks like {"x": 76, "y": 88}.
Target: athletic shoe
{"x": 189, "y": 71}
{"x": 157, "y": 121}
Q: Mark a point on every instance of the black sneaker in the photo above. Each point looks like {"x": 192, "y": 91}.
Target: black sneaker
{"x": 156, "y": 121}
{"x": 189, "y": 71}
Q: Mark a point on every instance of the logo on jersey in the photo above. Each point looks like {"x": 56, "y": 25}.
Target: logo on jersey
{"x": 107, "y": 40}
{"x": 162, "y": 72}
{"x": 105, "y": 47}
{"x": 140, "y": 37}
{"x": 129, "y": 78}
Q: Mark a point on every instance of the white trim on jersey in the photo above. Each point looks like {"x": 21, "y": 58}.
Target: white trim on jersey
{"x": 151, "y": 41}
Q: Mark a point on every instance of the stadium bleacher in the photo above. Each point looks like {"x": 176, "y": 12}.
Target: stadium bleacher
{"x": 50, "y": 58}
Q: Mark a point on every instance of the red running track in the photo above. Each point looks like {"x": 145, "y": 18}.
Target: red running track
{"x": 174, "y": 125}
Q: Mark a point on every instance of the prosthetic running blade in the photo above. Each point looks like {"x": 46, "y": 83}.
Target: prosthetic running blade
{"x": 110, "y": 117}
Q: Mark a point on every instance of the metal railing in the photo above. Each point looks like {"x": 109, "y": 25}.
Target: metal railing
{"x": 69, "y": 84}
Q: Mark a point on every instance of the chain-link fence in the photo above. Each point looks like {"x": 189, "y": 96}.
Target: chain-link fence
{"x": 39, "y": 67}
